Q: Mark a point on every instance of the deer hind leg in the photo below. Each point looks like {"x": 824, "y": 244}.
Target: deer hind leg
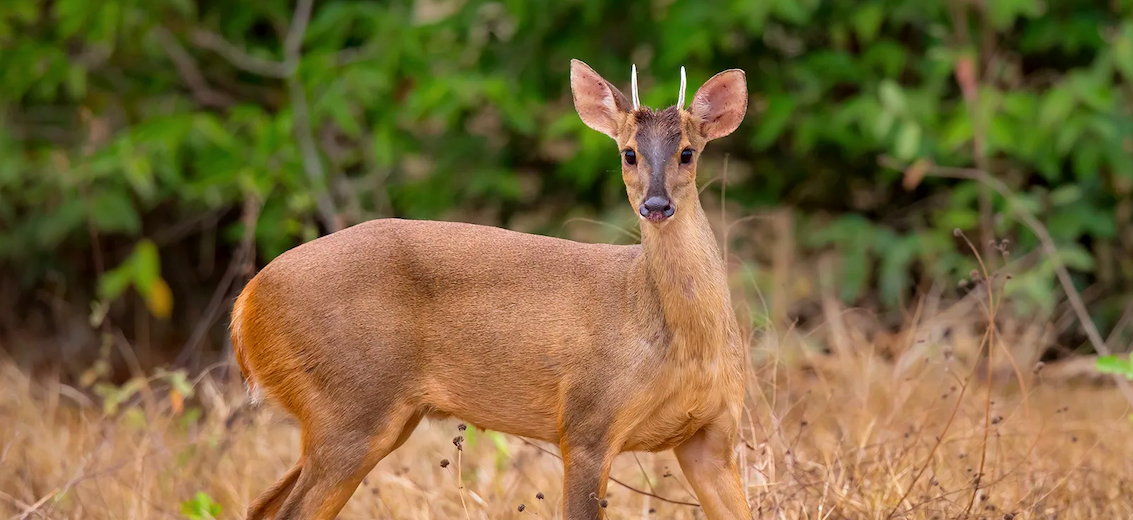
{"x": 336, "y": 458}
{"x": 710, "y": 467}
{"x": 269, "y": 502}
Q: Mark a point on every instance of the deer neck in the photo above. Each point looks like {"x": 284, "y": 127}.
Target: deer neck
{"x": 682, "y": 263}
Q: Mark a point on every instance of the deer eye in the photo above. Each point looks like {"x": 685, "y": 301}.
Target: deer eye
{"x": 631, "y": 157}
{"x": 686, "y": 156}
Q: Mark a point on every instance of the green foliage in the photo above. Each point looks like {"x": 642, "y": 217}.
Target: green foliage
{"x": 119, "y": 120}
{"x": 200, "y": 507}
{"x": 1113, "y": 364}
{"x": 142, "y": 270}
{"x": 498, "y": 440}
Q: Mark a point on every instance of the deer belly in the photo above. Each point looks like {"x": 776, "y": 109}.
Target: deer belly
{"x": 666, "y": 431}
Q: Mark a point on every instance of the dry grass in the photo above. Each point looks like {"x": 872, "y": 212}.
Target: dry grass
{"x": 828, "y": 437}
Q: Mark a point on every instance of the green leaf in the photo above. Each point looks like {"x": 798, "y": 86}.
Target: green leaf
{"x": 211, "y": 128}
{"x": 891, "y": 96}
{"x": 179, "y": 380}
{"x": 774, "y": 121}
{"x": 1003, "y": 13}
{"x": 340, "y": 111}
{"x": 72, "y": 15}
{"x": 1123, "y": 51}
{"x": 200, "y": 507}
{"x": 908, "y": 141}
{"x": 894, "y": 273}
{"x": 867, "y": 21}
{"x": 957, "y": 132}
{"x": 1121, "y": 161}
{"x": 1001, "y": 134}
{"x": 958, "y": 218}
{"x": 1065, "y": 194}
{"x": 792, "y": 11}
{"x": 1087, "y": 160}
{"x": 1057, "y": 104}
{"x": 1112, "y": 364}
{"x": 76, "y": 81}
{"x": 1077, "y": 258}
{"x": 146, "y": 265}
{"x": 113, "y": 211}
{"x": 883, "y": 124}
{"x": 113, "y": 283}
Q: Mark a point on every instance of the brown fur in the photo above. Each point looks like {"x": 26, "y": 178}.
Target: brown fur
{"x": 597, "y": 348}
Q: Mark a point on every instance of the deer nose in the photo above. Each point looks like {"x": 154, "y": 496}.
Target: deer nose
{"x": 657, "y": 208}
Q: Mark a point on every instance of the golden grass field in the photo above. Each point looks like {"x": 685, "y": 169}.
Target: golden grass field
{"x": 828, "y": 436}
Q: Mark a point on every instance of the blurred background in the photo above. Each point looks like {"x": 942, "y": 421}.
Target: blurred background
{"x": 154, "y": 154}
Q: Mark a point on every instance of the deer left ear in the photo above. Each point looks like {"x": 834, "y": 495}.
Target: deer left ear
{"x": 598, "y": 102}
{"x": 720, "y": 104}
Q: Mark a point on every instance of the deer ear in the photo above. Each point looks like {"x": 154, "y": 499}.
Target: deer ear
{"x": 600, "y": 104}
{"x": 720, "y": 104}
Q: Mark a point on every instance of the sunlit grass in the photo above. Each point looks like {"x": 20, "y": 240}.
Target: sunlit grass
{"x": 830, "y": 438}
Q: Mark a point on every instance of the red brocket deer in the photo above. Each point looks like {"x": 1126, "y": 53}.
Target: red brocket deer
{"x": 597, "y": 348}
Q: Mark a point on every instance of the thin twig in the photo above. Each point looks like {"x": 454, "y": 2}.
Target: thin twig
{"x": 243, "y": 254}
{"x": 616, "y": 481}
{"x": 190, "y": 72}
{"x": 287, "y": 70}
{"x": 990, "y": 309}
{"x": 295, "y": 34}
{"x": 239, "y": 57}
{"x": 1049, "y": 248}
{"x": 967, "y": 76}
{"x": 301, "y": 110}
{"x": 947, "y": 425}
{"x": 460, "y": 481}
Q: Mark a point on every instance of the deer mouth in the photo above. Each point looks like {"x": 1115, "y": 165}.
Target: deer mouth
{"x": 657, "y": 209}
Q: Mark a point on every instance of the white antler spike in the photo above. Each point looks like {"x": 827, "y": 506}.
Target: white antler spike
{"x": 681, "y": 98}
{"x": 634, "y": 87}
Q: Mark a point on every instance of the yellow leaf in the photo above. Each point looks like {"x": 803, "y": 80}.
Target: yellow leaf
{"x": 88, "y": 378}
{"x": 160, "y": 299}
{"x": 176, "y": 401}
{"x": 915, "y": 174}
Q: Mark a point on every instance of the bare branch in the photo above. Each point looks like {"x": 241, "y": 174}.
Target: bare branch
{"x": 614, "y": 480}
{"x": 190, "y": 72}
{"x": 239, "y": 57}
{"x": 244, "y": 254}
{"x": 286, "y": 70}
{"x": 299, "y": 20}
{"x": 304, "y": 131}
{"x": 1049, "y": 248}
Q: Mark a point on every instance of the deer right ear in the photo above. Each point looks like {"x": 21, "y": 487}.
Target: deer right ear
{"x": 600, "y": 104}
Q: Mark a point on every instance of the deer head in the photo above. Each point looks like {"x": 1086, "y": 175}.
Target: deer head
{"x": 659, "y": 148}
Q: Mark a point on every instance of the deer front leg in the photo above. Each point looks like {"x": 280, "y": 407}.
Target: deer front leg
{"x": 586, "y": 470}
{"x": 710, "y": 466}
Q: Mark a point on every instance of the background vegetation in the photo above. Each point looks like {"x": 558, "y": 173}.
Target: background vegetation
{"x": 143, "y": 142}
